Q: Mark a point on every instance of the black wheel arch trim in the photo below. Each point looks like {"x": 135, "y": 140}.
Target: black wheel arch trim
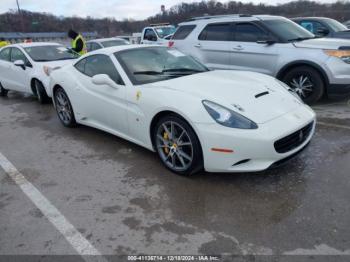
{"x": 284, "y": 69}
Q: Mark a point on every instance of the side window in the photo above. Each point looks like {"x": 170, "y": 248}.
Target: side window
{"x": 95, "y": 46}
{"x": 80, "y": 66}
{"x": 92, "y": 46}
{"x": 150, "y": 35}
{"x": 183, "y": 31}
{"x": 247, "y": 32}
{"x": 88, "y": 47}
{"x": 17, "y": 54}
{"x": 5, "y": 54}
{"x": 215, "y": 32}
{"x": 101, "y": 64}
{"x": 311, "y": 26}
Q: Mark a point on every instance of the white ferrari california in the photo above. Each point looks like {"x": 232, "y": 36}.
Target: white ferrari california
{"x": 26, "y": 67}
{"x": 161, "y": 99}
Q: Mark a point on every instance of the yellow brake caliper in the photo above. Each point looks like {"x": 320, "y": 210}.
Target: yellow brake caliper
{"x": 166, "y": 137}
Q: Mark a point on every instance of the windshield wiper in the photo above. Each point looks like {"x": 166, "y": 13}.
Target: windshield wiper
{"x": 42, "y": 60}
{"x": 300, "y": 39}
{"x": 182, "y": 70}
{"x": 148, "y": 73}
{"x": 173, "y": 72}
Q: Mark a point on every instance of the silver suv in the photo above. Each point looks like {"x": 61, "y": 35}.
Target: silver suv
{"x": 271, "y": 45}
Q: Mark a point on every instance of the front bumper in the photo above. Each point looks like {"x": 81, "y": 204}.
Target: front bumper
{"x": 253, "y": 150}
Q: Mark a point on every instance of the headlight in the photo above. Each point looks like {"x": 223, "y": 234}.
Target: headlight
{"x": 342, "y": 54}
{"x": 227, "y": 117}
{"x": 290, "y": 90}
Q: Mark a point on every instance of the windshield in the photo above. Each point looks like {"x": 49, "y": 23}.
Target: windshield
{"x": 288, "y": 30}
{"x": 165, "y": 31}
{"x": 110, "y": 43}
{"x": 153, "y": 64}
{"x": 49, "y": 53}
{"x": 335, "y": 25}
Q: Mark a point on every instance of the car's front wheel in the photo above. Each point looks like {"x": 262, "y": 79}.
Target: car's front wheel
{"x": 41, "y": 92}
{"x": 306, "y": 82}
{"x": 177, "y": 145}
{"x": 64, "y": 108}
{"x": 3, "y": 91}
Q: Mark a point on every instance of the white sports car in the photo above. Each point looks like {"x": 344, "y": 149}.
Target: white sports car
{"x": 161, "y": 99}
{"x": 26, "y": 67}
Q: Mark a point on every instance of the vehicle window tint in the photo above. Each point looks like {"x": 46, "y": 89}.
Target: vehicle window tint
{"x": 247, "y": 32}
{"x": 215, "y": 32}
{"x": 102, "y": 64}
{"x": 150, "y": 35}
{"x": 95, "y": 46}
{"x": 5, "y": 54}
{"x": 311, "y": 26}
{"x": 88, "y": 47}
{"x": 80, "y": 66}
{"x": 183, "y": 31}
{"x": 17, "y": 54}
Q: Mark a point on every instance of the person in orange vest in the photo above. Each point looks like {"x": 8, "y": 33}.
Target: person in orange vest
{"x": 78, "y": 42}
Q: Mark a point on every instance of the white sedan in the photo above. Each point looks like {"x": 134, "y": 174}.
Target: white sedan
{"x": 96, "y": 44}
{"x": 161, "y": 99}
{"x": 26, "y": 67}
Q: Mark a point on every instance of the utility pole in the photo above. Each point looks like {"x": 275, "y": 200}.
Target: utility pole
{"x": 20, "y": 15}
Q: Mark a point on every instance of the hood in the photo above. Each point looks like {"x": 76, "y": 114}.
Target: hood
{"x": 342, "y": 34}
{"x": 256, "y": 96}
{"x": 323, "y": 43}
{"x": 60, "y": 63}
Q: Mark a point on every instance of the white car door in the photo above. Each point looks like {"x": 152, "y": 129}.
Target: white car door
{"x": 248, "y": 54}
{"x": 213, "y": 47}
{"x": 101, "y": 105}
{"x": 19, "y": 77}
{"x": 150, "y": 37}
{"x": 5, "y": 65}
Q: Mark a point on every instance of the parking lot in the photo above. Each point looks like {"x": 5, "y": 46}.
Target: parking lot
{"x": 121, "y": 199}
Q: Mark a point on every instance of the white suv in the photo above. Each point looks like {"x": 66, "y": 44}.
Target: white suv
{"x": 271, "y": 45}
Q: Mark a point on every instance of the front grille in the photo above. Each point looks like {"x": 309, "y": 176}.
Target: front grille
{"x": 294, "y": 140}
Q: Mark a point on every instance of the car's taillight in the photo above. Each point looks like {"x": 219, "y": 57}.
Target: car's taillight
{"x": 171, "y": 43}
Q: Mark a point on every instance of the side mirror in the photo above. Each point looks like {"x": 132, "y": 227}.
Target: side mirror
{"x": 322, "y": 31}
{"x": 103, "y": 79}
{"x": 20, "y": 63}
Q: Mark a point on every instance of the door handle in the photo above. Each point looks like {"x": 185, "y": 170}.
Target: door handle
{"x": 238, "y": 48}
{"x": 198, "y": 45}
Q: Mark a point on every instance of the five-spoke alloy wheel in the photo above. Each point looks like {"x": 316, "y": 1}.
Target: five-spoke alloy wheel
{"x": 64, "y": 108}
{"x": 177, "y": 145}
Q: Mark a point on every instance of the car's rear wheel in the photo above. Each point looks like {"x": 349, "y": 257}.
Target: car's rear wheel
{"x": 41, "y": 92}
{"x": 64, "y": 108}
{"x": 306, "y": 82}
{"x": 177, "y": 145}
{"x": 3, "y": 91}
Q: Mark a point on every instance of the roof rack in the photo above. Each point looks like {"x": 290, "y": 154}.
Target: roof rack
{"x": 160, "y": 24}
{"x": 218, "y": 16}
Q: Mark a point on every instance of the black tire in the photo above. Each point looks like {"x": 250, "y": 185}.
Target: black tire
{"x": 178, "y": 147}
{"x": 64, "y": 108}
{"x": 41, "y": 92}
{"x": 314, "y": 78}
{"x": 3, "y": 91}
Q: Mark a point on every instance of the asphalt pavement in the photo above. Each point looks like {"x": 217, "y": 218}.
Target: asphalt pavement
{"x": 82, "y": 191}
